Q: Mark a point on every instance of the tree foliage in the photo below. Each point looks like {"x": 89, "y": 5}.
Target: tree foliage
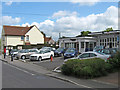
{"x": 108, "y": 29}
{"x": 85, "y": 33}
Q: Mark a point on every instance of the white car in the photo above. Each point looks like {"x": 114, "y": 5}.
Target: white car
{"x": 43, "y": 54}
{"x": 91, "y": 54}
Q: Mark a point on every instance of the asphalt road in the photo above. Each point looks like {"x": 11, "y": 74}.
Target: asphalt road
{"x": 13, "y": 77}
{"x": 57, "y": 61}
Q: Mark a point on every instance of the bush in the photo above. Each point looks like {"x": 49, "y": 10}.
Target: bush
{"x": 87, "y": 68}
{"x": 115, "y": 61}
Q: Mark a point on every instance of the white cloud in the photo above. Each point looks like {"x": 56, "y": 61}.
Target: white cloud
{"x": 86, "y": 2}
{"x": 60, "y": 14}
{"x": 9, "y": 20}
{"x": 72, "y": 25}
{"x": 9, "y": 3}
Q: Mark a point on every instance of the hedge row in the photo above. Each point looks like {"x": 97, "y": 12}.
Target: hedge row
{"x": 90, "y": 68}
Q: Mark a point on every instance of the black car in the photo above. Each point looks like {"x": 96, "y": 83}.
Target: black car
{"x": 59, "y": 52}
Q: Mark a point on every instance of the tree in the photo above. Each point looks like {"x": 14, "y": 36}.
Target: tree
{"x": 85, "y": 33}
{"x": 108, "y": 29}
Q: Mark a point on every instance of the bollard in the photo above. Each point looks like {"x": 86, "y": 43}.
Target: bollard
{"x": 11, "y": 57}
{"x": 51, "y": 58}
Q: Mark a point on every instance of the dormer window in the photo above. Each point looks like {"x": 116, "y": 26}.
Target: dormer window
{"x": 22, "y": 38}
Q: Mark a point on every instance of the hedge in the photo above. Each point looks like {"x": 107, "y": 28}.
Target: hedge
{"x": 87, "y": 68}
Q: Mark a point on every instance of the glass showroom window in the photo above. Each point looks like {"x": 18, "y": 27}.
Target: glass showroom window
{"x": 82, "y": 44}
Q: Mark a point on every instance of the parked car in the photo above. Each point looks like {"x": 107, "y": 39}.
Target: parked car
{"x": 43, "y": 54}
{"x": 98, "y": 48}
{"x": 60, "y": 52}
{"x": 48, "y": 48}
{"x": 70, "y": 52}
{"x": 25, "y": 53}
{"x": 91, "y": 54}
{"x": 109, "y": 51}
{"x": 14, "y": 52}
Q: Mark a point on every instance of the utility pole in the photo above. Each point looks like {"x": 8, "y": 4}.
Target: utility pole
{"x": 59, "y": 35}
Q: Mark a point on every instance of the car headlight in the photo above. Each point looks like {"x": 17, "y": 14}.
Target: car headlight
{"x": 72, "y": 54}
{"x": 59, "y": 52}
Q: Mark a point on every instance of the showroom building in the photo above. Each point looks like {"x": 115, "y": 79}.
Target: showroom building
{"x": 107, "y": 39}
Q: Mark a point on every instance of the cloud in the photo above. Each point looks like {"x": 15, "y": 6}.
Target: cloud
{"x": 60, "y": 14}
{"x": 72, "y": 25}
{"x": 9, "y": 20}
{"x": 9, "y": 3}
{"x": 86, "y": 2}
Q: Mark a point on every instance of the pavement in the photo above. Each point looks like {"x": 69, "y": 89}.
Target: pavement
{"x": 110, "y": 81}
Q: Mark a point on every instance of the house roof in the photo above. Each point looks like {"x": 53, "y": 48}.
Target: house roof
{"x": 16, "y": 30}
{"x": 47, "y": 39}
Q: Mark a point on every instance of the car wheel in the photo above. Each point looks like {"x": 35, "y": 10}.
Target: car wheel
{"x": 17, "y": 58}
{"x": 40, "y": 59}
{"x": 23, "y": 57}
{"x": 61, "y": 55}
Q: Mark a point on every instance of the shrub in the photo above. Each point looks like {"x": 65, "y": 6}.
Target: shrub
{"x": 87, "y": 68}
{"x": 115, "y": 61}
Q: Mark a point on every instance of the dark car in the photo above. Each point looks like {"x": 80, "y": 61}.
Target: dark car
{"x": 70, "y": 52}
{"x": 109, "y": 51}
{"x": 60, "y": 52}
{"x": 14, "y": 52}
{"x": 97, "y": 48}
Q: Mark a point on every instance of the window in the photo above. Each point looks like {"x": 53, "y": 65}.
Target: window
{"x": 85, "y": 55}
{"x": 92, "y": 55}
{"x": 82, "y": 44}
{"x": 27, "y": 37}
{"x": 22, "y": 38}
{"x": 107, "y": 39}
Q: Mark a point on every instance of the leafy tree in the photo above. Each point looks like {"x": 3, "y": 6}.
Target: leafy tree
{"x": 108, "y": 29}
{"x": 85, "y": 33}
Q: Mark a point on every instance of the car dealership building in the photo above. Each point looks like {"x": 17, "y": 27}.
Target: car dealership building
{"x": 107, "y": 39}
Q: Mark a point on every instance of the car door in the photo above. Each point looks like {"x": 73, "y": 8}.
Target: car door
{"x": 93, "y": 55}
{"x": 46, "y": 54}
{"x": 27, "y": 54}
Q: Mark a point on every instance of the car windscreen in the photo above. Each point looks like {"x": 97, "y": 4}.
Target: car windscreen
{"x": 14, "y": 50}
{"x": 70, "y": 51}
{"x": 101, "y": 53}
{"x": 60, "y": 49}
{"x": 32, "y": 50}
{"x": 41, "y": 52}
{"x": 23, "y": 51}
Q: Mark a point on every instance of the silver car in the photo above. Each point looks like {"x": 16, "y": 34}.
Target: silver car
{"x": 91, "y": 54}
{"x": 25, "y": 53}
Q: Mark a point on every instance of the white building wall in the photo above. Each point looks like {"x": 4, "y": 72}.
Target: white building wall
{"x": 35, "y": 36}
{"x": 13, "y": 40}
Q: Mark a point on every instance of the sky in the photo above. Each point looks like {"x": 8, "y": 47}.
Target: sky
{"x": 67, "y": 18}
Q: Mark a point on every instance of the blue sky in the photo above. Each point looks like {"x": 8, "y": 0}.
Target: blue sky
{"x": 65, "y": 17}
